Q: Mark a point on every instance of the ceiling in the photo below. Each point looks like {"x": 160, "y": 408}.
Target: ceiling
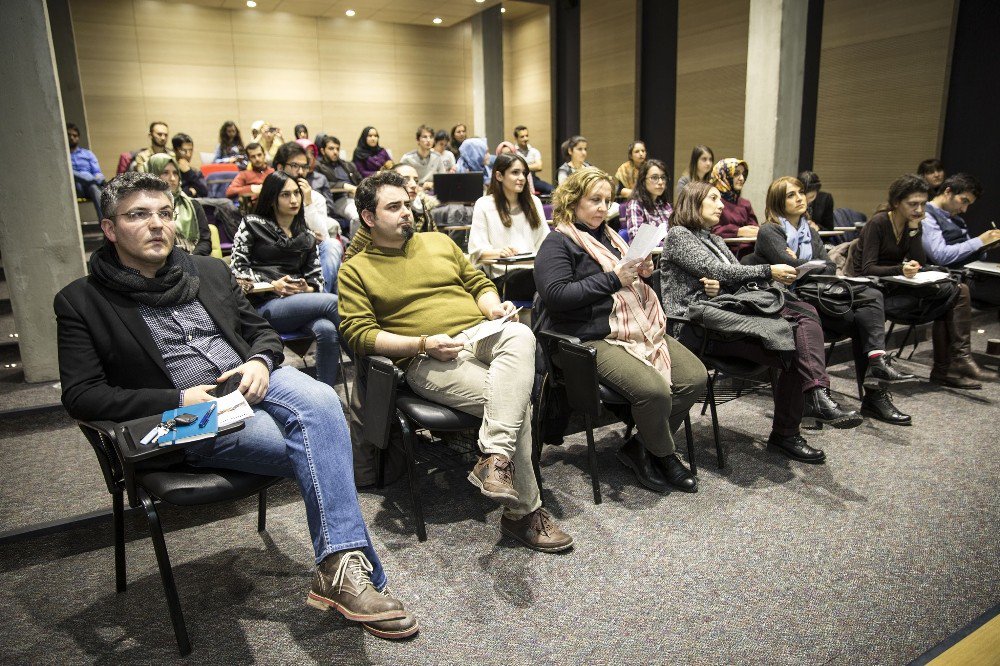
{"x": 416, "y": 12}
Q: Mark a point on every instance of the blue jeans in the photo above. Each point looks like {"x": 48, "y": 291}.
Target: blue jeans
{"x": 331, "y": 253}
{"x": 92, "y": 191}
{"x": 310, "y": 312}
{"x": 299, "y": 431}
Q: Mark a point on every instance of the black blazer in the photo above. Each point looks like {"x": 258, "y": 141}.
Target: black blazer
{"x": 821, "y": 211}
{"x": 108, "y": 362}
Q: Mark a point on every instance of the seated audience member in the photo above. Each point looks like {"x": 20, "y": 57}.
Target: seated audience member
{"x": 629, "y": 169}
{"x": 575, "y": 152}
{"x": 508, "y": 220}
{"x": 738, "y": 219}
{"x": 158, "y": 135}
{"x": 344, "y": 180}
{"x": 932, "y": 170}
{"x": 458, "y": 135}
{"x": 125, "y": 352}
{"x": 508, "y": 148}
{"x": 230, "y": 148}
{"x": 248, "y": 182}
{"x": 369, "y": 156}
{"x": 699, "y": 167}
{"x": 697, "y": 265}
{"x": 820, "y": 204}
{"x": 533, "y": 157}
{"x": 425, "y": 160}
{"x": 426, "y": 322}
{"x": 473, "y": 156}
{"x": 786, "y": 237}
{"x": 268, "y": 137}
{"x": 192, "y": 182}
{"x": 441, "y": 140}
{"x": 647, "y": 203}
{"x": 301, "y": 131}
{"x": 945, "y": 235}
{"x": 891, "y": 243}
{"x": 191, "y": 232}
{"x": 294, "y": 161}
{"x": 421, "y": 205}
{"x": 590, "y": 293}
{"x": 87, "y": 176}
{"x": 273, "y": 244}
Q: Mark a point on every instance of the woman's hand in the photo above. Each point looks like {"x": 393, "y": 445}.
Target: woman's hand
{"x": 712, "y": 287}
{"x": 790, "y": 253}
{"x": 627, "y": 272}
{"x": 646, "y": 268}
{"x": 783, "y": 273}
{"x": 508, "y": 252}
{"x": 910, "y": 268}
{"x": 286, "y": 285}
{"x": 749, "y": 231}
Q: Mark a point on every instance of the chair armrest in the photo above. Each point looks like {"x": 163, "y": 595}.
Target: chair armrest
{"x": 554, "y": 337}
{"x": 383, "y": 380}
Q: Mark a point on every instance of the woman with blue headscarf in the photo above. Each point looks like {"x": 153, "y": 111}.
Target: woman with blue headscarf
{"x": 473, "y": 155}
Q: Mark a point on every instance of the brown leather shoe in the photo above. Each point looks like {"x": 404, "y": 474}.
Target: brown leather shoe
{"x": 342, "y": 582}
{"x": 538, "y": 531}
{"x": 494, "y": 476}
{"x": 967, "y": 367}
{"x": 393, "y": 630}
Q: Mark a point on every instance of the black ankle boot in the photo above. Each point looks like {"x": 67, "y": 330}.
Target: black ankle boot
{"x": 821, "y": 407}
{"x": 796, "y": 448}
{"x": 880, "y": 371}
{"x": 677, "y": 474}
{"x": 635, "y": 456}
{"x": 878, "y": 405}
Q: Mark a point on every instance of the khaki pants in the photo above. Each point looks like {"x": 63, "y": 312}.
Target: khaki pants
{"x": 492, "y": 379}
{"x": 657, "y": 408}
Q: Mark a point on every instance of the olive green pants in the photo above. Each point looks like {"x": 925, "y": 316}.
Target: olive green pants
{"x": 658, "y": 409}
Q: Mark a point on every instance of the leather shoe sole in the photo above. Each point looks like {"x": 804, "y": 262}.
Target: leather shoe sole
{"x": 812, "y": 460}
{"x": 844, "y": 422}
{"x": 534, "y": 546}
{"x": 875, "y": 414}
{"x": 961, "y": 383}
{"x": 393, "y": 630}
{"x": 322, "y": 603}
{"x": 645, "y": 481}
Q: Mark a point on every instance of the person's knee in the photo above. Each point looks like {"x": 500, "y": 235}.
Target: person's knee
{"x": 519, "y": 337}
{"x": 324, "y": 330}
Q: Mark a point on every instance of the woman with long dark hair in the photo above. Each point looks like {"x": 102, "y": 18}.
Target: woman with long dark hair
{"x": 230, "y": 148}
{"x": 699, "y": 167}
{"x": 274, "y": 245}
{"x": 369, "y": 157}
{"x": 458, "y": 135}
{"x": 575, "y": 153}
{"x": 628, "y": 172}
{"x": 647, "y": 203}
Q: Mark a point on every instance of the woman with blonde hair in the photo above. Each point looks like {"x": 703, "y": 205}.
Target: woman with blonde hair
{"x": 589, "y": 292}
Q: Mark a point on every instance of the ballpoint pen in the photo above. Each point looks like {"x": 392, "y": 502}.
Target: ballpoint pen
{"x": 207, "y": 416}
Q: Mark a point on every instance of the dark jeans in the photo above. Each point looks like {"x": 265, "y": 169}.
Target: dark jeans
{"x": 866, "y": 323}
{"x": 92, "y": 191}
{"x": 807, "y": 371}
{"x": 313, "y": 312}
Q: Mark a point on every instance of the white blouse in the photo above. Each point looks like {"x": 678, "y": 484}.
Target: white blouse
{"x": 489, "y": 233}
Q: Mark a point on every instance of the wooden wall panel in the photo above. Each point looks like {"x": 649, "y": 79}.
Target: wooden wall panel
{"x": 711, "y": 78}
{"x": 881, "y": 94}
{"x": 195, "y": 67}
{"x": 527, "y": 83}
{"x": 607, "y": 80}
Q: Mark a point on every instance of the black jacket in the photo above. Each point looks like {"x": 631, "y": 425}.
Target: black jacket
{"x": 821, "y": 211}
{"x": 108, "y": 362}
{"x": 576, "y": 292}
{"x": 328, "y": 169}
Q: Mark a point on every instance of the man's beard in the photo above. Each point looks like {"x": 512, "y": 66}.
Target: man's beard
{"x": 406, "y": 233}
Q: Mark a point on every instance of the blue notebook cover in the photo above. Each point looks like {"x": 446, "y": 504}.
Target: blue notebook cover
{"x": 195, "y": 431}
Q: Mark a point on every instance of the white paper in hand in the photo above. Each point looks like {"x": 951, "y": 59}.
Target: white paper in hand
{"x": 647, "y": 238}
{"x": 491, "y": 327}
{"x": 233, "y": 408}
{"x": 802, "y": 269}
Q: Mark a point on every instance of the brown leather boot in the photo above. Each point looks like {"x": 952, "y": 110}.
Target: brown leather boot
{"x": 342, "y": 582}
{"x": 494, "y": 476}
{"x": 538, "y": 531}
{"x": 952, "y": 338}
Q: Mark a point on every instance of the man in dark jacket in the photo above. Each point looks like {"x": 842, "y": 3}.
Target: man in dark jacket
{"x": 344, "y": 180}
{"x": 153, "y": 328}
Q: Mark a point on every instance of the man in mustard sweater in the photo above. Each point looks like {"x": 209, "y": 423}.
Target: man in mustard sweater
{"x": 418, "y": 300}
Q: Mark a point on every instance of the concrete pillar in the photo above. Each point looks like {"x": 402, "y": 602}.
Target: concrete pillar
{"x": 40, "y": 236}
{"x": 487, "y": 75}
{"x": 773, "y": 113}
{"x": 64, "y": 44}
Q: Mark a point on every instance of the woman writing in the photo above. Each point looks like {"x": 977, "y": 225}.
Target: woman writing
{"x": 190, "y": 222}
{"x": 628, "y": 172}
{"x": 699, "y": 168}
{"x": 697, "y": 265}
{"x": 273, "y": 244}
{"x": 647, "y": 204}
{"x": 590, "y": 293}
{"x": 370, "y": 157}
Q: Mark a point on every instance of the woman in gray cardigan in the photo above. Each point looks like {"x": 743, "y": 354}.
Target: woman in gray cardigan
{"x": 696, "y": 265}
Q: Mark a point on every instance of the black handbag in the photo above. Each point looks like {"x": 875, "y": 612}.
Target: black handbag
{"x": 833, "y": 295}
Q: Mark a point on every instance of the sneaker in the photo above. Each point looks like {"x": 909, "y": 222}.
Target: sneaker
{"x": 537, "y": 531}
{"x": 343, "y": 582}
{"x": 494, "y": 476}
{"x": 393, "y": 630}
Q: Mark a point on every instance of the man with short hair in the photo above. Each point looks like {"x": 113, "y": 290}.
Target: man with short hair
{"x": 158, "y": 135}
{"x": 945, "y": 235}
{"x": 533, "y": 157}
{"x": 248, "y": 181}
{"x": 152, "y": 328}
{"x": 416, "y": 299}
{"x": 344, "y": 179}
{"x": 192, "y": 182}
{"x": 423, "y": 159}
{"x": 87, "y": 176}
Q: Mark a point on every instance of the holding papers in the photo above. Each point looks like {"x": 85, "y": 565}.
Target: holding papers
{"x": 488, "y": 328}
{"x": 802, "y": 269}
{"x": 648, "y": 238}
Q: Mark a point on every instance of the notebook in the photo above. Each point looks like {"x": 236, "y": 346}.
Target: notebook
{"x": 195, "y": 431}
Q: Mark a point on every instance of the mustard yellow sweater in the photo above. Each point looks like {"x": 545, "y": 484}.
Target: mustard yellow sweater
{"x": 425, "y": 288}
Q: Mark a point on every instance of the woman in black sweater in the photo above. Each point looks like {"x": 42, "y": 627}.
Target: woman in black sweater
{"x": 786, "y": 236}
{"x": 274, "y": 246}
{"x": 590, "y": 293}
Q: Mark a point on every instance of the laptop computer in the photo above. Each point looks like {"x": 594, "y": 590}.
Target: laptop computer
{"x": 458, "y": 187}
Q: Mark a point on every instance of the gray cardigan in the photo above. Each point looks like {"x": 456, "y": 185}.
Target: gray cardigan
{"x": 687, "y": 258}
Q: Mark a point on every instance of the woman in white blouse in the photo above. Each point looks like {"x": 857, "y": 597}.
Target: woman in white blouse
{"x": 508, "y": 220}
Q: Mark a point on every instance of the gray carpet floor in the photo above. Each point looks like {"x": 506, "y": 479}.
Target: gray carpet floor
{"x": 871, "y": 558}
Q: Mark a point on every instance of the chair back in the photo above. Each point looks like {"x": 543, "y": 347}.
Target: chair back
{"x": 218, "y": 181}
{"x": 298, "y": 341}
{"x": 381, "y": 384}
{"x": 216, "y": 246}
{"x": 579, "y": 368}
{"x": 211, "y": 167}
{"x": 99, "y": 434}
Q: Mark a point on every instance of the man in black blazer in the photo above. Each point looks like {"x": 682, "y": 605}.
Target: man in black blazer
{"x": 153, "y": 328}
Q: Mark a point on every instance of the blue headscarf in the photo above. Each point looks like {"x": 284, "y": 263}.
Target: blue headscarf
{"x": 799, "y": 240}
{"x": 471, "y": 155}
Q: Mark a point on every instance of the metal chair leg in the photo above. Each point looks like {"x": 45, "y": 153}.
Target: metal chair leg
{"x": 411, "y": 473}
{"x": 690, "y": 440}
{"x": 916, "y": 341}
{"x": 118, "y": 513}
{"x": 379, "y": 468}
{"x": 592, "y": 456}
{"x": 711, "y": 378}
{"x": 860, "y": 366}
{"x": 715, "y": 423}
{"x": 262, "y": 510}
{"x": 166, "y": 574}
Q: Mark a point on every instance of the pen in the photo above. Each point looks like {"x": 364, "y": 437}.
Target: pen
{"x": 993, "y": 224}
{"x": 208, "y": 415}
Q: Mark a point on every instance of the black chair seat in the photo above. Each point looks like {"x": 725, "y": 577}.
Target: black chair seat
{"x": 610, "y": 396}
{"x": 189, "y": 486}
{"x": 733, "y": 365}
{"x": 433, "y": 416}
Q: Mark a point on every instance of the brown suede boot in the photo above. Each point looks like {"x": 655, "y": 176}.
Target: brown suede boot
{"x": 952, "y": 338}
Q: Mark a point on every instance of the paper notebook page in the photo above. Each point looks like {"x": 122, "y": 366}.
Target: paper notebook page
{"x": 233, "y": 408}
{"x": 647, "y": 238}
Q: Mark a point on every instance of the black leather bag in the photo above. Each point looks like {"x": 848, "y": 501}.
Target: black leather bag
{"x": 832, "y": 295}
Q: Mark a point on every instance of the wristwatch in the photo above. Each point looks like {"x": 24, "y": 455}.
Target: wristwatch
{"x": 423, "y": 345}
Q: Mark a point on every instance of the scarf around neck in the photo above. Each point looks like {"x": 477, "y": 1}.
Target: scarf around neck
{"x": 723, "y": 175}
{"x": 175, "y": 283}
{"x": 799, "y": 239}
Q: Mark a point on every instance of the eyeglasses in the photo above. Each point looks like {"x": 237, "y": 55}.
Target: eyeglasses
{"x": 656, "y": 179}
{"x": 142, "y": 215}
{"x": 298, "y": 165}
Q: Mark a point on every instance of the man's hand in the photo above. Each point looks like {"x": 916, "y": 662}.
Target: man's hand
{"x": 442, "y": 347}
{"x": 198, "y": 394}
{"x": 748, "y": 231}
{"x": 910, "y": 268}
{"x": 256, "y": 378}
{"x": 712, "y": 287}
{"x": 350, "y": 189}
{"x": 502, "y": 310}
{"x": 255, "y": 188}
{"x": 306, "y": 191}
{"x": 991, "y": 236}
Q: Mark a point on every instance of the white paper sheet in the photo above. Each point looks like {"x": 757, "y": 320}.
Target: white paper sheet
{"x": 923, "y": 277}
{"x": 648, "y": 238}
{"x": 233, "y": 408}
{"x": 802, "y": 269}
{"x": 491, "y": 327}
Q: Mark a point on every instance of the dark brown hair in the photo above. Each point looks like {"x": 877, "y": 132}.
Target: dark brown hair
{"x": 687, "y": 209}
{"x": 504, "y": 162}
